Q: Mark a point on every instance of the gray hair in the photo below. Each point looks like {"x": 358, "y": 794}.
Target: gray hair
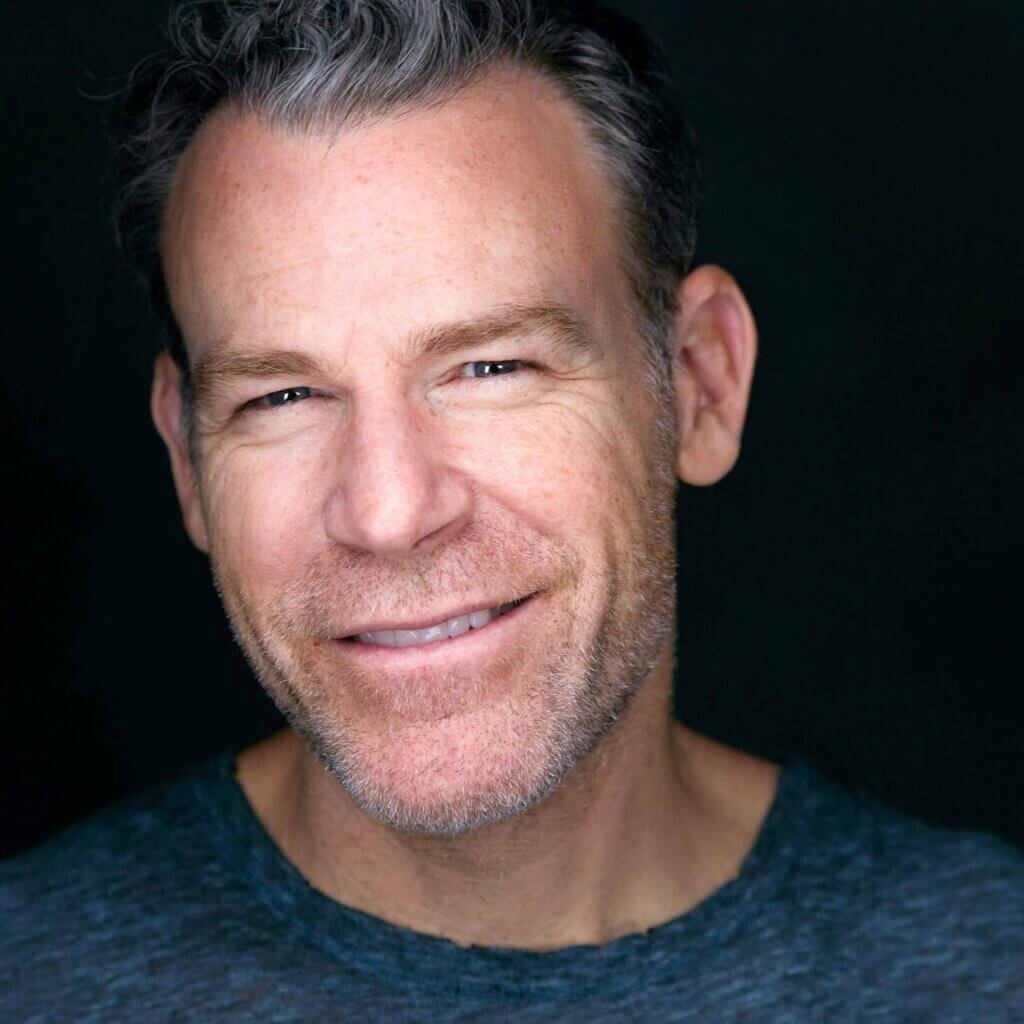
{"x": 315, "y": 65}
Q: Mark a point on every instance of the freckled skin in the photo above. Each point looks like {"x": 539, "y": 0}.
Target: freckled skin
{"x": 397, "y": 487}
{"x": 402, "y": 487}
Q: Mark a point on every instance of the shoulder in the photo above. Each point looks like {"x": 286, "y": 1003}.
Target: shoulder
{"x": 854, "y": 837}
{"x": 898, "y": 902}
{"x": 108, "y": 887}
{"x": 105, "y": 852}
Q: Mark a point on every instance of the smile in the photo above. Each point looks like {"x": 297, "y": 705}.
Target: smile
{"x": 446, "y": 629}
{"x": 438, "y": 631}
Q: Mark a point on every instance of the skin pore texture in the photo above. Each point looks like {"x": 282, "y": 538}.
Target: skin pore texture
{"x": 524, "y": 785}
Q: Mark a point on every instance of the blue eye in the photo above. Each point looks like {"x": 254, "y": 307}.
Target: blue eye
{"x": 492, "y": 368}
{"x": 289, "y": 396}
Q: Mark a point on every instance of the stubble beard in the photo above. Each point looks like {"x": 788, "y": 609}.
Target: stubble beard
{"x": 496, "y": 750}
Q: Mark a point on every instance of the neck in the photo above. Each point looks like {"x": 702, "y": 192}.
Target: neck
{"x": 647, "y": 827}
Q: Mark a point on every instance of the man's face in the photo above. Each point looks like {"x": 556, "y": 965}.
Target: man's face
{"x": 458, "y": 418}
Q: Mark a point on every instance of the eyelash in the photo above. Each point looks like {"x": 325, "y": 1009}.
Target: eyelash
{"x": 264, "y": 401}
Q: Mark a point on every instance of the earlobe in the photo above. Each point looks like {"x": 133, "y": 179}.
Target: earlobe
{"x": 716, "y": 347}
{"x": 167, "y": 409}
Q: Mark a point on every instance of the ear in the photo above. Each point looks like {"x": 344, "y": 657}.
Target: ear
{"x": 713, "y": 365}
{"x": 167, "y": 408}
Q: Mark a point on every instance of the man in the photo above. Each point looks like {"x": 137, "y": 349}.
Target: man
{"x": 436, "y": 362}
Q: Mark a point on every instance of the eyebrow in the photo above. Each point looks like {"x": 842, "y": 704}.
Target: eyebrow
{"x": 562, "y": 325}
{"x": 217, "y": 369}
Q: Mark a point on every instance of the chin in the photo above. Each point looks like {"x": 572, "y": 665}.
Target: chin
{"x": 450, "y": 776}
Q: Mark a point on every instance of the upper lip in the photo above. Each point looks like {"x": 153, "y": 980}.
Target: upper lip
{"x": 379, "y": 625}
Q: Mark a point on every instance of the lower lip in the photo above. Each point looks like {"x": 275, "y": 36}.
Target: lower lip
{"x": 471, "y": 644}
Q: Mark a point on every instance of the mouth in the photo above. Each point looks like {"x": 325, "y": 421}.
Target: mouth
{"x": 446, "y": 633}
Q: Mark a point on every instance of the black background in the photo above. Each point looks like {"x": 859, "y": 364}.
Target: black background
{"x": 849, "y": 593}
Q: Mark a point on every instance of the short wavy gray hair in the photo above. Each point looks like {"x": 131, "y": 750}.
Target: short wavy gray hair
{"x": 317, "y": 65}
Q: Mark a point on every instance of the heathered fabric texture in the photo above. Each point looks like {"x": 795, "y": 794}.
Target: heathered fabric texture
{"x": 177, "y": 906}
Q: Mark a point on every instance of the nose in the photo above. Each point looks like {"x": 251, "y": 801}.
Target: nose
{"x": 397, "y": 492}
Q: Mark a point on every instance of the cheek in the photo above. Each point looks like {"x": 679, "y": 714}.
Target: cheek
{"x": 569, "y": 470}
{"x": 570, "y": 467}
{"x": 262, "y": 511}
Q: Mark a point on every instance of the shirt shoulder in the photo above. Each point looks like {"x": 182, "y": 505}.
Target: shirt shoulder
{"x": 854, "y": 838}
{"x": 95, "y": 908}
{"x": 104, "y": 861}
{"x": 897, "y": 904}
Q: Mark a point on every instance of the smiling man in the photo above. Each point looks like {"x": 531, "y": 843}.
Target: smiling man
{"x": 436, "y": 364}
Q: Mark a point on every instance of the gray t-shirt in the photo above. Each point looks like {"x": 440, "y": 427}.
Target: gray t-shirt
{"x": 178, "y": 906}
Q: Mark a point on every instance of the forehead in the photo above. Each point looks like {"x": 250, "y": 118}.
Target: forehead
{"x": 411, "y": 219}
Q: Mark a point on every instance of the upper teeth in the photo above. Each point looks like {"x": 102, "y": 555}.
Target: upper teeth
{"x": 440, "y": 631}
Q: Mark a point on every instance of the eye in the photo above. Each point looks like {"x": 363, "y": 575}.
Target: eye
{"x": 288, "y": 396}
{"x": 491, "y": 368}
